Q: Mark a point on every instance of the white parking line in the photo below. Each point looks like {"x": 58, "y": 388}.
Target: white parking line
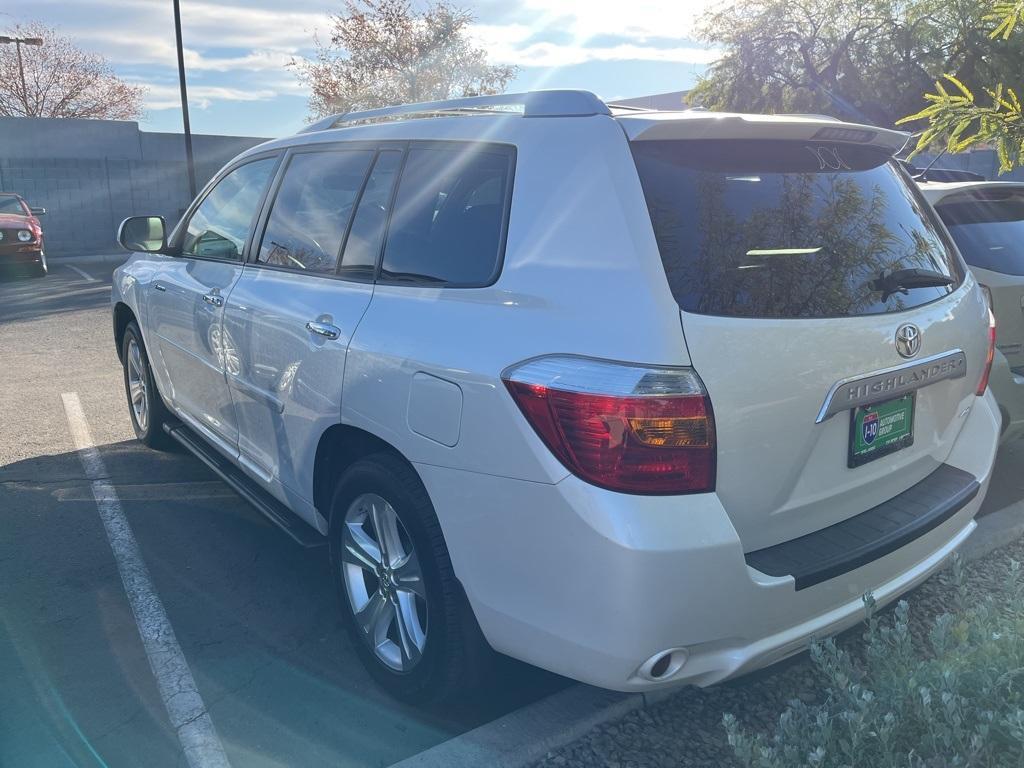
{"x": 82, "y": 272}
{"x": 185, "y": 707}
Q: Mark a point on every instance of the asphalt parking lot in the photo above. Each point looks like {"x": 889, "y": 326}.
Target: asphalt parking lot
{"x": 253, "y": 612}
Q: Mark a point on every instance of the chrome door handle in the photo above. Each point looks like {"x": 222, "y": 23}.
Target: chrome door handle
{"x": 215, "y": 299}
{"x": 326, "y": 330}
{"x": 159, "y": 287}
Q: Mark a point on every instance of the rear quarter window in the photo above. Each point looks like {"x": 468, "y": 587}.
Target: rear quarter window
{"x": 786, "y": 229}
{"x": 988, "y": 228}
{"x": 450, "y": 215}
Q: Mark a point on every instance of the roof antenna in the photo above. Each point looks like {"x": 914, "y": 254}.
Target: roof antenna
{"x": 923, "y": 175}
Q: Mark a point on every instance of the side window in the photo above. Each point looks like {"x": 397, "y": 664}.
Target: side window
{"x": 312, "y": 209}
{"x": 220, "y": 225}
{"x": 447, "y": 225}
{"x": 363, "y": 244}
{"x": 988, "y": 227}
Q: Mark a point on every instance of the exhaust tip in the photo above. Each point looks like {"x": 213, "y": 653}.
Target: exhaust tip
{"x": 664, "y": 664}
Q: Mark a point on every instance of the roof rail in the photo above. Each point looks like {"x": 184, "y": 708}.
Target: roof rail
{"x": 551, "y": 103}
{"x": 630, "y": 107}
{"x": 811, "y": 115}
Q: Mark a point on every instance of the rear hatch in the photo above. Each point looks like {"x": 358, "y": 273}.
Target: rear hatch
{"x": 987, "y": 223}
{"x": 779, "y": 239}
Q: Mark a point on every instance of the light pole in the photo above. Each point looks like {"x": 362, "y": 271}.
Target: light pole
{"x": 18, "y": 42}
{"x": 184, "y": 103}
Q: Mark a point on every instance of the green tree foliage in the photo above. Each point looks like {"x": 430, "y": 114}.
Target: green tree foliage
{"x": 956, "y": 117}
{"x": 864, "y": 60}
{"x": 384, "y": 52}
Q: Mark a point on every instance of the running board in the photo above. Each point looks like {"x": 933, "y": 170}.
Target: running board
{"x": 276, "y": 512}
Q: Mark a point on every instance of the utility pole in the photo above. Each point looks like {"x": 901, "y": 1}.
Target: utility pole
{"x": 18, "y": 42}
{"x": 184, "y": 102}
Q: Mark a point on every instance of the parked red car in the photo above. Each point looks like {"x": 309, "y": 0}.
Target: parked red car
{"x": 21, "y": 234}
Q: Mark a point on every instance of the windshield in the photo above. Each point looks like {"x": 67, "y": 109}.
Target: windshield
{"x": 787, "y": 229}
{"x": 11, "y": 204}
{"x": 989, "y": 229}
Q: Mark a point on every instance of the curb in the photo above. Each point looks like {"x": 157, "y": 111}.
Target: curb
{"x": 527, "y": 735}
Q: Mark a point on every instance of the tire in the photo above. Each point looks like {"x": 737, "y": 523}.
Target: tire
{"x": 149, "y": 421}
{"x": 454, "y": 658}
{"x": 40, "y": 269}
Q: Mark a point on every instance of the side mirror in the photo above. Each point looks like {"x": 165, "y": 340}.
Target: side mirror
{"x": 38, "y": 211}
{"x": 143, "y": 233}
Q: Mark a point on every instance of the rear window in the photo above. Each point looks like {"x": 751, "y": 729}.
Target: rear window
{"x": 988, "y": 227}
{"x": 785, "y": 229}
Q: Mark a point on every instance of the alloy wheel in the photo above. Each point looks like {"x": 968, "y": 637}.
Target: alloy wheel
{"x": 138, "y": 393}
{"x": 384, "y": 582}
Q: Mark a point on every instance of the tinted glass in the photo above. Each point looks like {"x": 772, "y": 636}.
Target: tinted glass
{"x": 448, "y": 217}
{"x": 312, "y": 209}
{"x": 989, "y": 229}
{"x": 787, "y": 229}
{"x": 364, "y": 240}
{"x": 220, "y": 225}
{"x": 9, "y": 204}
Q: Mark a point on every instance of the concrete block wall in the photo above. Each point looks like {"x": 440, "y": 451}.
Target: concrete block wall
{"x": 91, "y": 174}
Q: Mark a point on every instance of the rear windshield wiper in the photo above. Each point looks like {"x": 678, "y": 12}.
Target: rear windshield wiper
{"x": 902, "y": 280}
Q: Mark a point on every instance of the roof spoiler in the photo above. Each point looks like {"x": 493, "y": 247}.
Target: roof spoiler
{"x": 654, "y": 126}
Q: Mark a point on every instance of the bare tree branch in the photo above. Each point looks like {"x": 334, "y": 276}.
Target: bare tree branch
{"x": 383, "y": 52}
{"x": 62, "y": 80}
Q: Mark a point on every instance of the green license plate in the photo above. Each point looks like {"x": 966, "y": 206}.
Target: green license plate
{"x": 880, "y": 429}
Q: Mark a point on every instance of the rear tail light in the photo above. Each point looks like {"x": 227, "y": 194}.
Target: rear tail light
{"x": 983, "y": 384}
{"x": 627, "y": 428}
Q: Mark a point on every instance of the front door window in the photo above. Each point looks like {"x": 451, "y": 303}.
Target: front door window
{"x": 220, "y": 226}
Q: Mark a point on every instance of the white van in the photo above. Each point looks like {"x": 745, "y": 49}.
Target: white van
{"x": 643, "y": 398}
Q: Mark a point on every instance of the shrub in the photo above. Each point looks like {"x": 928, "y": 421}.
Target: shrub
{"x": 953, "y": 698}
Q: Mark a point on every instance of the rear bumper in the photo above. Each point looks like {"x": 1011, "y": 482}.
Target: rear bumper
{"x": 592, "y": 584}
{"x": 1008, "y": 389}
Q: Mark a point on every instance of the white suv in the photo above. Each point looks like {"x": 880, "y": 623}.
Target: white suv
{"x": 986, "y": 220}
{"x": 639, "y": 397}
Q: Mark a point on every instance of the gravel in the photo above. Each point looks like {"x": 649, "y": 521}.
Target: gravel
{"x": 685, "y": 730}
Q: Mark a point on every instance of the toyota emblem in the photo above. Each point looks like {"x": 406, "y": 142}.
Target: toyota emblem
{"x": 908, "y": 340}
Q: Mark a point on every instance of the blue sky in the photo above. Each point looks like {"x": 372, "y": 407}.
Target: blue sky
{"x": 236, "y": 50}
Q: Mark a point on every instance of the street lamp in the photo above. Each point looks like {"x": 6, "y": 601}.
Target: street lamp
{"x": 184, "y": 102}
{"x": 18, "y": 42}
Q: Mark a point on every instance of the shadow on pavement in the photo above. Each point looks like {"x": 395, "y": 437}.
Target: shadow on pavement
{"x": 254, "y": 614}
{"x": 24, "y": 297}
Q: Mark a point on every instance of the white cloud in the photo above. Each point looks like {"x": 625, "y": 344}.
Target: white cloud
{"x": 236, "y": 50}
{"x": 163, "y": 96}
{"x": 254, "y": 61}
{"x": 636, "y": 20}
{"x": 506, "y": 46}
{"x": 211, "y": 24}
{"x": 579, "y": 24}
